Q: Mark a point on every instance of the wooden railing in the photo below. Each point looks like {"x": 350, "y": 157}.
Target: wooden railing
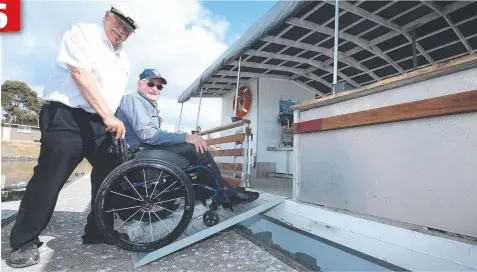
{"x": 240, "y": 171}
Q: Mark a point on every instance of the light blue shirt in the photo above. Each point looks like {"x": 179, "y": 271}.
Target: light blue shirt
{"x": 140, "y": 119}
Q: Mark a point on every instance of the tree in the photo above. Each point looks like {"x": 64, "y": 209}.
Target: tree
{"x": 20, "y": 104}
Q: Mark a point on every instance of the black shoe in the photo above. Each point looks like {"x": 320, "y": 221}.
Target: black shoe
{"x": 24, "y": 256}
{"x": 242, "y": 197}
{"x": 99, "y": 239}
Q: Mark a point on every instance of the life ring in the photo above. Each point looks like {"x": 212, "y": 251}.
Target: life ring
{"x": 245, "y": 102}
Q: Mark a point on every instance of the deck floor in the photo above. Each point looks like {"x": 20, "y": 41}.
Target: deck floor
{"x": 273, "y": 185}
{"x": 63, "y": 250}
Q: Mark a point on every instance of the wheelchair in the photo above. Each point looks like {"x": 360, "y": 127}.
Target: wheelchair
{"x": 151, "y": 190}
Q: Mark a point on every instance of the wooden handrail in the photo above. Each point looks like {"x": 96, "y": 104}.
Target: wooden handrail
{"x": 228, "y": 152}
{"x": 432, "y": 107}
{"x": 236, "y": 152}
{"x": 230, "y": 166}
{"x": 226, "y": 139}
{"x": 225, "y": 127}
{"x": 233, "y": 181}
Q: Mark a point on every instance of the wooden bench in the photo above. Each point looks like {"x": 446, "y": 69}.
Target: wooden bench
{"x": 240, "y": 171}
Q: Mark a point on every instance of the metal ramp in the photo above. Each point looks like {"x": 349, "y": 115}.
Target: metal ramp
{"x": 197, "y": 230}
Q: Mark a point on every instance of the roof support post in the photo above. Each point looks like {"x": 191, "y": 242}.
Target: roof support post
{"x": 237, "y": 87}
{"x": 180, "y": 118}
{"x": 335, "y": 56}
{"x": 414, "y": 54}
{"x": 198, "y": 110}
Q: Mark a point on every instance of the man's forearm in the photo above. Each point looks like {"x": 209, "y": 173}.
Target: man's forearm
{"x": 90, "y": 92}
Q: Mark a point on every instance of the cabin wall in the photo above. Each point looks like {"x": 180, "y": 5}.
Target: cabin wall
{"x": 420, "y": 171}
{"x": 266, "y": 94}
{"x": 271, "y": 91}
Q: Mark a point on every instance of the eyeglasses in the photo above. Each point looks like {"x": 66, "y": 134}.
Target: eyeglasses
{"x": 151, "y": 84}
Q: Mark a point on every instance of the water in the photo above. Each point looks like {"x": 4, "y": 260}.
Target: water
{"x": 16, "y": 174}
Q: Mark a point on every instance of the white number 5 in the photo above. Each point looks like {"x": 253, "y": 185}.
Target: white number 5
{"x": 3, "y": 16}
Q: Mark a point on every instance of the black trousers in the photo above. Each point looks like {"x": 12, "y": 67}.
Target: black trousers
{"x": 189, "y": 152}
{"x": 68, "y": 136}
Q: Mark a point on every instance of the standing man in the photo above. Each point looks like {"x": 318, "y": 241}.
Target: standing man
{"x": 81, "y": 98}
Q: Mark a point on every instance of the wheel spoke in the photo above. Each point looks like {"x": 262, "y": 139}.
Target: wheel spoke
{"x": 125, "y": 195}
{"x": 150, "y": 223}
{"x": 166, "y": 209}
{"x": 161, "y": 221}
{"x": 127, "y": 219}
{"x": 168, "y": 200}
{"x": 134, "y": 188}
{"x": 164, "y": 190}
{"x": 156, "y": 184}
{"x": 145, "y": 184}
{"x": 123, "y": 209}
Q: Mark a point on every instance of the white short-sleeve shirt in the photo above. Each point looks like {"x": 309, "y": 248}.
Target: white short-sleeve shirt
{"x": 86, "y": 46}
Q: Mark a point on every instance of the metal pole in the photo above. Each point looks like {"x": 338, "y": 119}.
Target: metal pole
{"x": 236, "y": 90}
{"x": 198, "y": 111}
{"x": 335, "y": 56}
{"x": 180, "y": 117}
{"x": 414, "y": 53}
{"x": 296, "y": 158}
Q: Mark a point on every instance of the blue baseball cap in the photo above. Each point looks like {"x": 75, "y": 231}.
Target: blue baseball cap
{"x": 152, "y": 73}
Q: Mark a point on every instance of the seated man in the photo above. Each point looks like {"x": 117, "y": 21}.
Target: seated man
{"x": 138, "y": 113}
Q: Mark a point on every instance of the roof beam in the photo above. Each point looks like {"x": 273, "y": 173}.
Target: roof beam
{"x": 421, "y": 21}
{"x": 226, "y": 80}
{"x": 314, "y": 63}
{"x": 379, "y": 20}
{"x": 296, "y": 71}
{"x": 308, "y": 88}
{"x": 441, "y": 11}
{"x": 219, "y": 85}
{"x": 343, "y": 35}
{"x": 270, "y": 67}
{"x": 248, "y": 74}
{"x": 325, "y": 51}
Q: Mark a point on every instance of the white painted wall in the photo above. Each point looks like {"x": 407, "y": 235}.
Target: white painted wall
{"x": 271, "y": 91}
{"x": 420, "y": 171}
{"x": 263, "y": 115}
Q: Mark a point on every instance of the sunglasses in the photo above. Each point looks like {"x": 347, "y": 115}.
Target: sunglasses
{"x": 151, "y": 84}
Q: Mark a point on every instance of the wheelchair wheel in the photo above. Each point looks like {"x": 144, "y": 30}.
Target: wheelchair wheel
{"x": 150, "y": 201}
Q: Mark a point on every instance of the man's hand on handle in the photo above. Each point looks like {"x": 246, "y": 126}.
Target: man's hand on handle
{"x": 200, "y": 144}
{"x": 115, "y": 125}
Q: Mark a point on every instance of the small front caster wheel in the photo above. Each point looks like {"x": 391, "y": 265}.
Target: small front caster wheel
{"x": 211, "y": 218}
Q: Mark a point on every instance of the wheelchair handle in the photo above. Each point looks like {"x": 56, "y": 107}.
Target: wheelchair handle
{"x": 119, "y": 148}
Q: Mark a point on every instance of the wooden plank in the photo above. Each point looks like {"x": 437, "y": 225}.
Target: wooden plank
{"x": 227, "y": 139}
{"x": 432, "y": 107}
{"x": 233, "y": 181}
{"x": 227, "y": 152}
{"x": 230, "y": 166}
{"x": 225, "y": 127}
{"x": 390, "y": 81}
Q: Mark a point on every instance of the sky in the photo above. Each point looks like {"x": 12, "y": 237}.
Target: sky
{"x": 179, "y": 38}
